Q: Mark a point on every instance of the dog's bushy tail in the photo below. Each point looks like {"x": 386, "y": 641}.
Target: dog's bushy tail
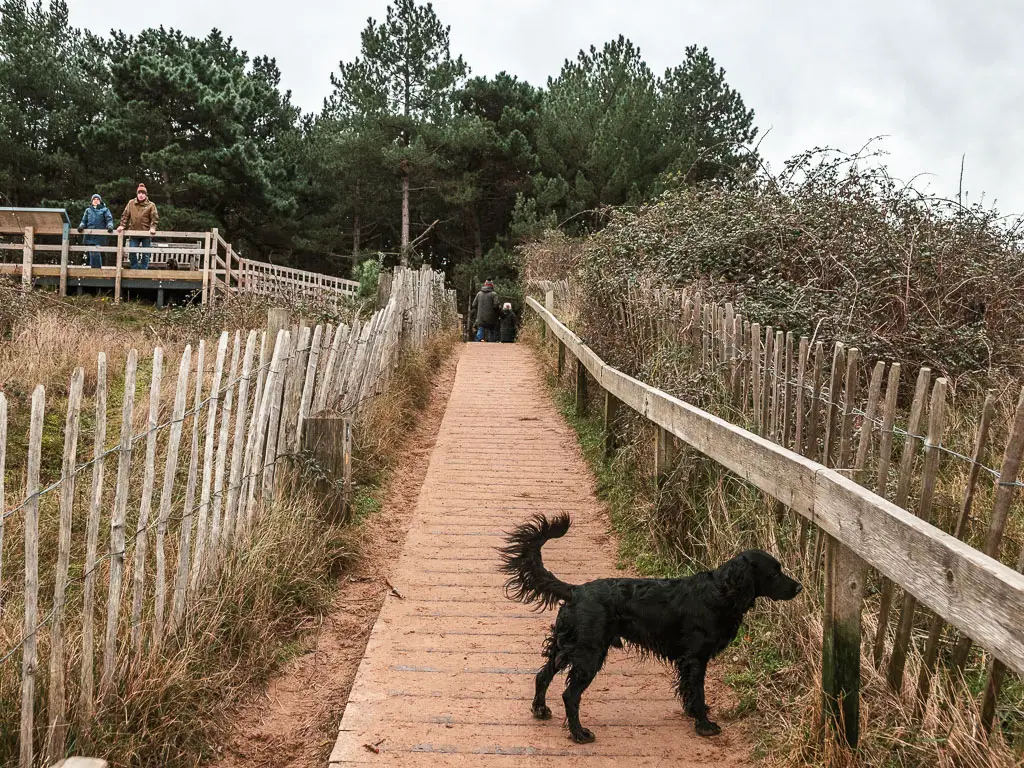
{"x": 528, "y": 580}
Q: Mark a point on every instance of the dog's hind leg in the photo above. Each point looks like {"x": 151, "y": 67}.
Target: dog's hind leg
{"x": 556, "y": 662}
{"x": 547, "y": 673}
{"x": 581, "y": 675}
{"x": 691, "y": 673}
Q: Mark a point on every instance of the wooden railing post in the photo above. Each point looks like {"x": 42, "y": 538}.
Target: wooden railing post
{"x": 119, "y": 259}
{"x": 65, "y": 251}
{"x": 27, "y": 254}
{"x": 611, "y": 408}
{"x": 581, "y": 388}
{"x": 206, "y": 297}
{"x": 840, "y": 662}
{"x": 214, "y": 249}
{"x": 227, "y": 267}
{"x": 561, "y": 358}
{"x": 664, "y": 455}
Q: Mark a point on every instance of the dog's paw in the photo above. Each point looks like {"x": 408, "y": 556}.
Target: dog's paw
{"x": 707, "y": 728}
{"x": 582, "y": 736}
{"x": 542, "y": 712}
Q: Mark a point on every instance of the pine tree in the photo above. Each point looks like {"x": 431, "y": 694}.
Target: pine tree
{"x": 405, "y": 81}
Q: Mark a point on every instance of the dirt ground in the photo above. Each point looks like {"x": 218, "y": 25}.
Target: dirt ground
{"x": 294, "y": 723}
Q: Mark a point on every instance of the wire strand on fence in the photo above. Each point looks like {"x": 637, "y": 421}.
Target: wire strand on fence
{"x": 144, "y": 434}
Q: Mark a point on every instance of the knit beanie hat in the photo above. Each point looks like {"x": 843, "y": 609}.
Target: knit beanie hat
{"x": 96, "y": 197}
{"x": 142, "y": 188}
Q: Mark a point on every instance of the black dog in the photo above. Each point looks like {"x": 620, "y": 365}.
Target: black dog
{"x": 682, "y": 621}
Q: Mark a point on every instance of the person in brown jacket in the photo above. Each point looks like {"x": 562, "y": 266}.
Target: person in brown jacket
{"x": 139, "y": 215}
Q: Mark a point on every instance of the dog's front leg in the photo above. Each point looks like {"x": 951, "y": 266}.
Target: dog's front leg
{"x": 691, "y": 673}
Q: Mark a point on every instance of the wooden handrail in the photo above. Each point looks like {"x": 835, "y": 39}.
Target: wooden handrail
{"x": 225, "y": 270}
{"x": 974, "y": 592}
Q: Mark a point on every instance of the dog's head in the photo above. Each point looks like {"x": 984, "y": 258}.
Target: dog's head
{"x": 754, "y": 574}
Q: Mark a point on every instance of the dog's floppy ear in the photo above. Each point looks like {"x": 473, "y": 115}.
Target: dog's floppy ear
{"x": 737, "y": 578}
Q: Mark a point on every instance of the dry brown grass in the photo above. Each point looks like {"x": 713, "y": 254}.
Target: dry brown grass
{"x": 169, "y": 709}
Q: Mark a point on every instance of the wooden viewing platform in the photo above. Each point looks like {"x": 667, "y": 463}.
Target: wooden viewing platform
{"x": 205, "y": 263}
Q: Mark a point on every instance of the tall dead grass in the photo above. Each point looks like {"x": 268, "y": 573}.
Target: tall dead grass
{"x": 170, "y": 709}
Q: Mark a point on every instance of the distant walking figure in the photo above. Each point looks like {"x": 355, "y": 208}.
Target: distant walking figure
{"x": 139, "y": 214}
{"x": 96, "y": 216}
{"x": 509, "y": 323}
{"x": 486, "y": 305}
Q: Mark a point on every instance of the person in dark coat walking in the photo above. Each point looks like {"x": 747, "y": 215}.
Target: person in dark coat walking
{"x": 96, "y": 216}
{"x": 486, "y": 305}
{"x": 509, "y": 323}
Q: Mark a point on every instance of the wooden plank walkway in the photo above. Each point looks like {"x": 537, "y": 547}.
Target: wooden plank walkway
{"x": 447, "y": 678}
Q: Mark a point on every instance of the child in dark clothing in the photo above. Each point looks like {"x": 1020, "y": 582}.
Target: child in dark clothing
{"x": 509, "y": 323}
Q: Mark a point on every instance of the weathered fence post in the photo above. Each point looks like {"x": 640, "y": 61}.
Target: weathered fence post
{"x": 65, "y": 251}
{"x": 664, "y": 455}
{"x": 840, "y": 665}
{"x": 118, "y": 264}
{"x": 581, "y": 388}
{"x": 611, "y": 408}
{"x": 214, "y": 238}
{"x": 206, "y": 268}
{"x": 561, "y": 357}
{"x": 26, "y": 259}
{"x": 278, "y": 319}
{"x": 328, "y": 440}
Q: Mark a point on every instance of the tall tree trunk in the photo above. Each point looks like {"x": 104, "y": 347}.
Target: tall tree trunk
{"x": 405, "y": 218}
{"x": 406, "y": 77}
{"x": 355, "y": 229}
{"x": 478, "y": 243}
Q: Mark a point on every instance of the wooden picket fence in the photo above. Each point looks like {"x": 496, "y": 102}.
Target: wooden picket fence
{"x": 811, "y": 427}
{"x": 245, "y": 424}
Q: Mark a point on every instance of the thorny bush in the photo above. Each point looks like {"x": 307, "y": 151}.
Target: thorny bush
{"x": 832, "y": 248}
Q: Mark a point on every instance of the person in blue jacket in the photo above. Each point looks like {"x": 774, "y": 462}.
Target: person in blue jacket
{"x": 96, "y": 216}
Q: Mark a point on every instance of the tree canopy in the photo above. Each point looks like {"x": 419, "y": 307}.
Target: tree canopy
{"x": 409, "y": 158}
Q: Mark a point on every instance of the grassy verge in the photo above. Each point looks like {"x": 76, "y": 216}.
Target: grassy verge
{"x": 169, "y": 709}
{"x": 702, "y": 516}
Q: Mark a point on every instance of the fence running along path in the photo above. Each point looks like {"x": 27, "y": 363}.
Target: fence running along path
{"x": 270, "y": 396}
{"x": 179, "y": 261}
{"x": 802, "y": 408}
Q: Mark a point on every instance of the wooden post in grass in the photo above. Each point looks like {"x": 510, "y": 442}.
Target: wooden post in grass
{"x": 664, "y": 456}
{"x": 561, "y": 357}
{"x": 278, "y": 319}
{"x": 65, "y": 252}
{"x": 581, "y": 388}
{"x": 845, "y": 575}
{"x": 611, "y": 408}
{"x": 328, "y": 440}
{"x": 119, "y": 266}
{"x": 27, "y": 253}
{"x": 29, "y": 650}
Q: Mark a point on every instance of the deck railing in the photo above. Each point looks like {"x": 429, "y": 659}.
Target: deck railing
{"x": 202, "y": 257}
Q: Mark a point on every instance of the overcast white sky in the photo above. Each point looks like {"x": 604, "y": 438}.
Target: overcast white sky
{"x": 939, "y": 78}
